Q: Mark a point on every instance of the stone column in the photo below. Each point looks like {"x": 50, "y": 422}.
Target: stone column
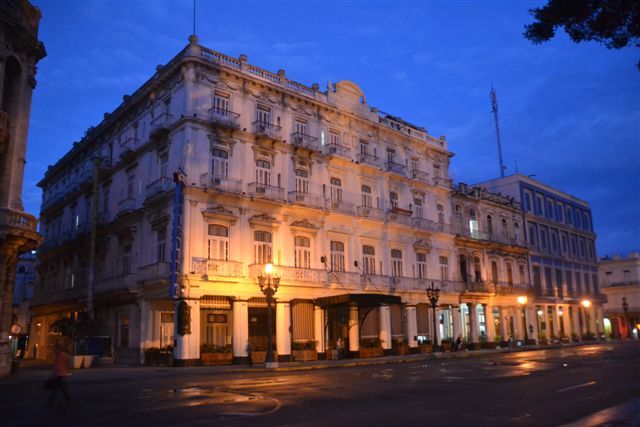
{"x": 385, "y": 327}
{"x": 457, "y": 320}
{"x": 318, "y": 329}
{"x": 592, "y": 320}
{"x": 504, "y": 323}
{"x": 187, "y": 351}
{"x": 566, "y": 321}
{"x": 489, "y": 325}
{"x": 146, "y": 327}
{"x": 412, "y": 326}
{"x": 473, "y": 322}
{"x": 354, "y": 329}
{"x": 283, "y": 330}
{"x": 532, "y": 320}
{"x": 240, "y": 331}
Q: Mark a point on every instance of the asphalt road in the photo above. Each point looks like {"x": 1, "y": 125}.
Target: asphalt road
{"x": 587, "y": 385}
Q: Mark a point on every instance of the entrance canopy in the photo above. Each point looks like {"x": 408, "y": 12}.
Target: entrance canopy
{"x": 360, "y": 299}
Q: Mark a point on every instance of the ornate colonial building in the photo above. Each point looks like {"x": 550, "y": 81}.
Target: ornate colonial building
{"x": 352, "y": 206}
{"x": 620, "y": 280}
{"x": 20, "y": 51}
{"x": 562, "y": 257}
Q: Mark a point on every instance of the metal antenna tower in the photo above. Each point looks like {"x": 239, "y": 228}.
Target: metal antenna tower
{"x": 494, "y": 109}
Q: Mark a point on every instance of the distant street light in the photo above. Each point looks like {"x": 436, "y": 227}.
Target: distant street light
{"x": 522, "y": 300}
{"x": 433, "y": 294}
{"x": 269, "y": 287}
{"x": 586, "y": 304}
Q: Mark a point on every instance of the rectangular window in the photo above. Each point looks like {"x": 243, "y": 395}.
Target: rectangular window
{"x": 218, "y": 242}
{"x": 126, "y": 259}
{"x": 509, "y": 274}
{"x": 263, "y": 172}
{"x": 131, "y": 186}
{"x": 537, "y": 279}
{"x": 337, "y": 256}
{"x": 393, "y": 197}
{"x": 494, "y": 271}
{"x": 523, "y": 278}
{"x": 527, "y": 201}
{"x": 262, "y": 249}
{"x": 336, "y": 192}
{"x": 538, "y": 205}
{"x": 569, "y": 279}
{"x": 368, "y": 260}
{"x": 587, "y": 287}
{"x": 548, "y": 278}
{"x": 163, "y": 161}
{"x": 417, "y": 207}
{"x": 221, "y": 104}
{"x": 219, "y": 163}
{"x": 367, "y": 201}
{"x": 263, "y": 116}
{"x": 161, "y": 236}
{"x": 302, "y": 247}
{"x": 124, "y": 330}
{"x": 578, "y": 283}
{"x": 396, "y": 263}
{"x": 421, "y": 260}
{"x": 444, "y": 268}
{"x": 302, "y": 182}
{"x": 334, "y": 138}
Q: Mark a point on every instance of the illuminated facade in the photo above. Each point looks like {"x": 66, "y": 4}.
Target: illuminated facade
{"x": 20, "y": 51}
{"x": 352, "y": 206}
{"x": 620, "y": 280}
{"x": 562, "y": 258}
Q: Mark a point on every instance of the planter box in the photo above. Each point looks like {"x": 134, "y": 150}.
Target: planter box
{"x": 365, "y": 353}
{"x": 75, "y": 362}
{"x": 260, "y": 356}
{"x": 305, "y": 355}
{"x": 488, "y": 345}
{"x": 402, "y": 350}
{"x": 331, "y": 354}
{"x": 426, "y": 348}
{"x": 164, "y": 358}
{"x": 215, "y": 359}
{"x": 87, "y": 361}
{"x": 446, "y": 346}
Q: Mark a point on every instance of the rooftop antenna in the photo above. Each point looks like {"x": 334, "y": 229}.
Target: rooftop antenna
{"x": 494, "y": 109}
{"x": 194, "y": 17}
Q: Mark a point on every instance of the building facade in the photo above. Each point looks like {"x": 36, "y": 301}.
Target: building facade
{"x": 563, "y": 269}
{"x": 20, "y": 51}
{"x": 352, "y": 206}
{"x": 620, "y": 281}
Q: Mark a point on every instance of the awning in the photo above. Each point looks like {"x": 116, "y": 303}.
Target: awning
{"x": 360, "y": 299}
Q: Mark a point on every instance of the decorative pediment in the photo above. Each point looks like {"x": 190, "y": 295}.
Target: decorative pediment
{"x": 264, "y": 220}
{"x": 422, "y": 245}
{"x": 304, "y": 224}
{"x": 215, "y": 141}
{"x": 219, "y": 213}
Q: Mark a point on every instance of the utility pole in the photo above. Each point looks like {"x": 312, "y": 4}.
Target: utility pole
{"x": 494, "y": 109}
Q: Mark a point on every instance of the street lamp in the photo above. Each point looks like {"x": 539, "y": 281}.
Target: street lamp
{"x": 433, "y": 294}
{"x": 522, "y": 300}
{"x": 625, "y": 307}
{"x": 586, "y": 304}
{"x": 269, "y": 287}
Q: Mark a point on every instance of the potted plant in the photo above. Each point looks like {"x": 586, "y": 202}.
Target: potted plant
{"x": 574, "y": 337}
{"x": 211, "y": 355}
{"x": 542, "y": 339}
{"x": 72, "y": 333}
{"x": 156, "y": 356}
{"x": 401, "y": 346}
{"x": 370, "y": 347}
{"x": 304, "y": 351}
{"x": 259, "y": 355}
{"x": 446, "y": 343}
{"x": 425, "y": 346}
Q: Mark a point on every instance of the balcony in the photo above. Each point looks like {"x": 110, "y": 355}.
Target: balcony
{"x": 160, "y": 126}
{"x": 442, "y": 182}
{"x": 368, "y": 159}
{"x": 216, "y": 267}
{"x": 224, "y": 118}
{"x": 267, "y": 130}
{"x": 17, "y": 219}
{"x": 479, "y": 288}
{"x": 220, "y": 183}
{"x": 370, "y": 212}
{"x": 300, "y": 139}
{"x": 340, "y": 205}
{"x": 399, "y": 215}
{"x": 423, "y": 224}
{"x": 305, "y": 199}
{"x": 292, "y": 275}
{"x": 53, "y": 201}
{"x": 126, "y": 205}
{"x": 337, "y": 150}
{"x": 394, "y": 167}
{"x": 263, "y": 191}
{"x": 157, "y": 272}
{"x": 160, "y": 185}
{"x": 129, "y": 146}
{"x": 421, "y": 176}
{"x": 511, "y": 289}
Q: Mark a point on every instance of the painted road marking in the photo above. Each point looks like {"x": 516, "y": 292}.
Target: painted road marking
{"x": 562, "y": 390}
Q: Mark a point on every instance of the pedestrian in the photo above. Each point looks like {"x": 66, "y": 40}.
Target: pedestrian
{"x": 339, "y": 348}
{"x": 60, "y": 371}
{"x": 250, "y": 352}
{"x": 458, "y": 343}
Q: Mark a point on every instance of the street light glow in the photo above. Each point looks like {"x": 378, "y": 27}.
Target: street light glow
{"x": 268, "y": 268}
{"x": 522, "y": 300}
{"x": 586, "y": 303}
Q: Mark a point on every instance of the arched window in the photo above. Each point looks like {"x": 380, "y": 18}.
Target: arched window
{"x": 458, "y": 213}
{"x": 489, "y": 226}
{"x": 477, "y": 270}
{"x": 218, "y": 242}
{"x": 396, "y": 263}
{"x": 494, "y": 272}
{"x": 473, "y": 224}
{"x": 510, "y": 274}
{"x": 463, "y": 269}
{"x": 368, "y": 259}
{"x": 505, "y": 230}
{"x": 261, "y": 247}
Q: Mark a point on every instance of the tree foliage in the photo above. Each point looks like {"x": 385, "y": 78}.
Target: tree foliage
{"x": 614, "y": 23}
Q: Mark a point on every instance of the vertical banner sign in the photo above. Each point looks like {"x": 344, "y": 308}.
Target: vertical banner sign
{"x": 176, "y": 231}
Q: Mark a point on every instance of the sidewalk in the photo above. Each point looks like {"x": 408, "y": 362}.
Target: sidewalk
{"x": 36, "y": 372}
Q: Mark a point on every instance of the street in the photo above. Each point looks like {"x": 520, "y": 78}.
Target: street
{"x": 545, "y": 387}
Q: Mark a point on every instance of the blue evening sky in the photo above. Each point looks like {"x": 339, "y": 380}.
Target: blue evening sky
{"x": 569, "y": 113}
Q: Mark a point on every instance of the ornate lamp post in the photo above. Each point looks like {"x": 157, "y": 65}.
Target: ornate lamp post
{"x": 433, "y": 294}
{"x": 522, "y": 300}
{"x": 269, "y": 286}
{"x": 586, "y": 304}
{"x": 625, "y": 308}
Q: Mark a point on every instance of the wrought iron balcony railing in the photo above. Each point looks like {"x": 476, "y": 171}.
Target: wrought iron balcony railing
{"x": 224, "y": 118}
{"x": 421, "y": 176}
{"x": 266, "y": 129}
{"x": 398, "y": 168}
{"x": 368, "y": 159}
{"x": 370, "y": 212}
{"x": 221, "y": 183}
{"x": 303, "y": 140}
{"x": 305, "y": 199}
{"x": 160, "y": 185}
{"x": 217, "y": 267}
{"x": 340, "y": 205}
{"x": 264, "y": 191}
{"x": 338, "y": 150}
